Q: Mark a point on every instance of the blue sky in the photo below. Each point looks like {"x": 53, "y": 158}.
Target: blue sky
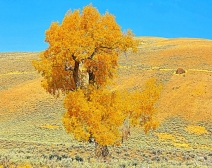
{"x": 23, "y": 22}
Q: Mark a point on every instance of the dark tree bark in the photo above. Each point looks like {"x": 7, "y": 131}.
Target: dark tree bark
{"x": 91, "y": 78}
{"x": 101, "y": 151}
{"x": 76, "y": 74}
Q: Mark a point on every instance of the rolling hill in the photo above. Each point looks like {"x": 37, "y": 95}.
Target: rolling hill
{"x": 30, "y": 118}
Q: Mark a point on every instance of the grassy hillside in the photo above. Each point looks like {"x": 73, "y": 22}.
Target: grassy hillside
{"x": 30, "y": 119}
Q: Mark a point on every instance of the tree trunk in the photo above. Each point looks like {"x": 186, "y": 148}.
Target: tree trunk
{"x": 81, "y": 76}
{"x": 125, "y": 133}
{"x": 101, "y": 151}
{"x": 125, "y": 130}
{"x": 91, "y": 78}
{"x": 76, "y": 75}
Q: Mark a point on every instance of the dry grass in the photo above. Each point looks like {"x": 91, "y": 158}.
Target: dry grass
{"x": 26, "y": 92}
{"x": 31, "y": 131}
{"x": 198, "y": 130}
{"x": 48, "y": 126}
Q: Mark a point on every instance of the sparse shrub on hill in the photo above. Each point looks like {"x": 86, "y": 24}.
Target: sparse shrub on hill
{"x": 80, "y": 62}
{"x": 180, "y": 71}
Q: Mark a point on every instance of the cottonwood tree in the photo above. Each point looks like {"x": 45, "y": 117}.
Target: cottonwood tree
{"x": 80, "y": 61}
{"x": 84, "y": 39}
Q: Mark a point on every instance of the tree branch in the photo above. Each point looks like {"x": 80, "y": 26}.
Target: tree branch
{"x": 100, "y": 48}
{"x": 74, "y": 57}
{"x": 68, "y": 67}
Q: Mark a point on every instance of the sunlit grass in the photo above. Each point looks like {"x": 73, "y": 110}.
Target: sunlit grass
{"x": 48, "y": 126}
{"x": 181, "y": 145}
{"x": 208, "y": 147}
{"x": 165, "y": 136}
{"x": 198, "y": 130}
{"x": 16, "y": 73}
{"x": 200, "y": 70}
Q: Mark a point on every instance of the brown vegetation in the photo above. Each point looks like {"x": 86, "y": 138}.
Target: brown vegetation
{"x": 180, "y": 71}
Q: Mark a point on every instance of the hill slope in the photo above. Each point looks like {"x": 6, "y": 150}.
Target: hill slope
{"x": 31, "y": 119}
{"x": 188, "y": 95}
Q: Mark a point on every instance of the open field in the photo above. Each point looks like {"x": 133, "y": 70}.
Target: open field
{"x": 31, "y": 130}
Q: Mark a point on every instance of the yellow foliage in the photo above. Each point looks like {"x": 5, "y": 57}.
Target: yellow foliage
{"x": 182, "y": 145}
{"x": 95, "y": 115}
{"x": 100, "y": 113}
{"x": 48, "y": 126}
{"x": 143, "y": 104}
{"x": 198, "y": 130}
{"x": 165, "y": 136}
{"x": 24, "y": 166}
{"x": 86, "y": 46}
{"x": 84, "y": 37}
